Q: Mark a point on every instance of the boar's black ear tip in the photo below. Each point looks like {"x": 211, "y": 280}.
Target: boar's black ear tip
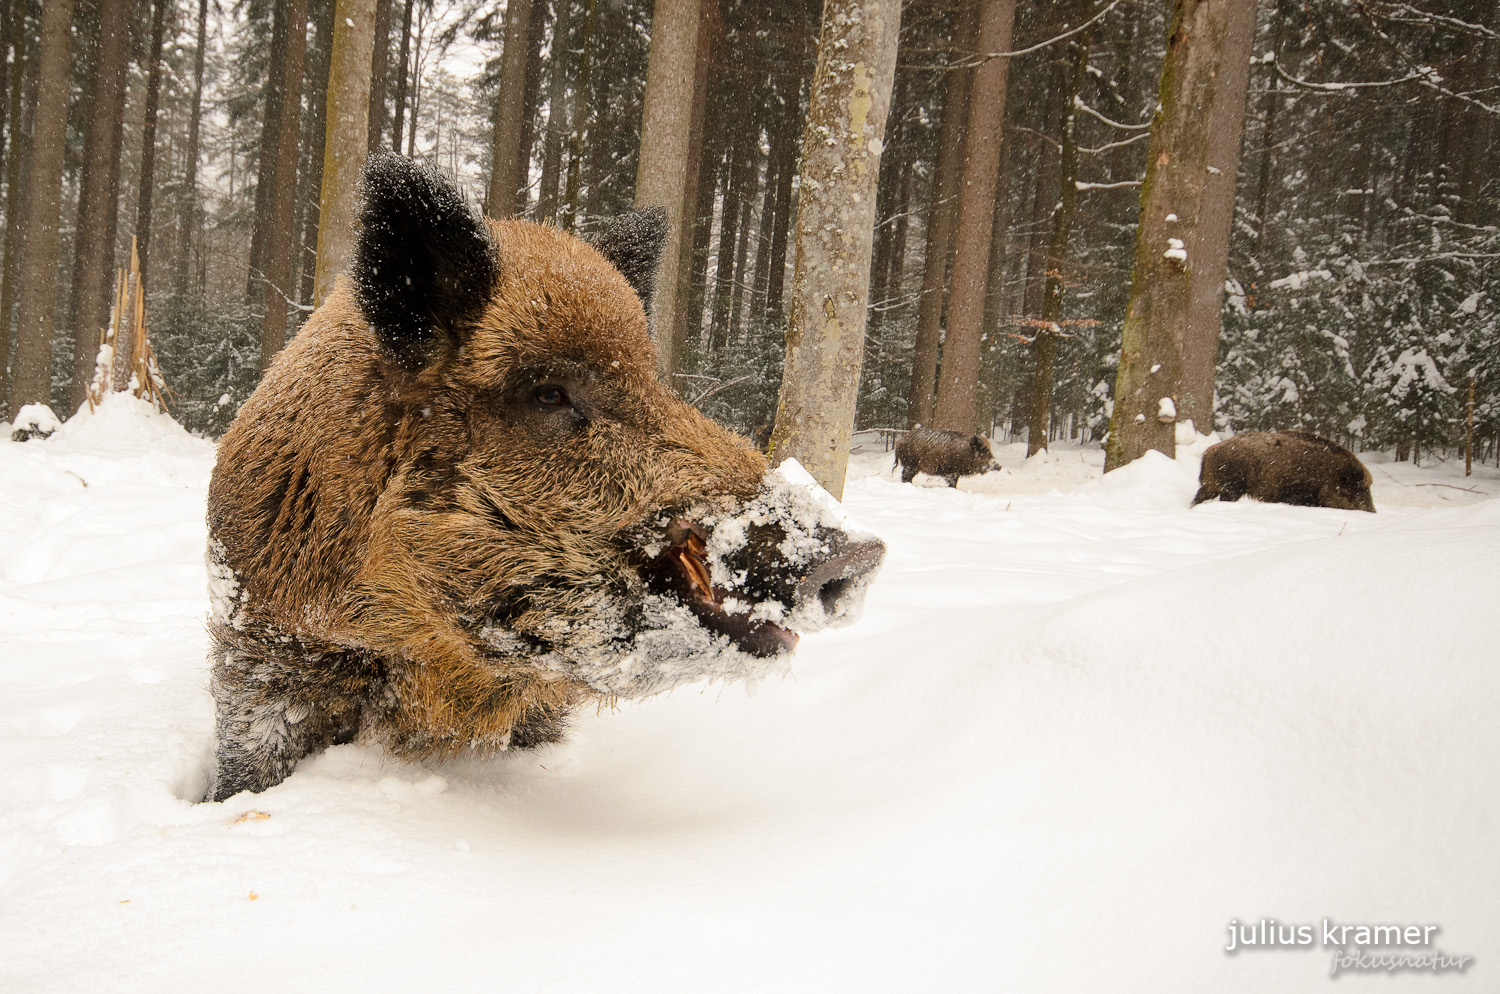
{"x": 423, "y": 263}
{"x": 633, "y": 244}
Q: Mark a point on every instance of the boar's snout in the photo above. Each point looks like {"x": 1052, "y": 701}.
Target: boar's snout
{"x": 761, "y": 582}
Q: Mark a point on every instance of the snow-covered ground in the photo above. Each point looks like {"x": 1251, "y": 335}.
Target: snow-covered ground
{"x": 1080, "y": 730}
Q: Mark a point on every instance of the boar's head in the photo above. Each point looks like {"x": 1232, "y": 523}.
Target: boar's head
{"x": 461, "y": 501}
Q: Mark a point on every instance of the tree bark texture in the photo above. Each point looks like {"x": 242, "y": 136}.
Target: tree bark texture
{"x": 1208, "y": 252}
{"x": 958, "y": 385}
{"x": 943, "y": 212}
{"x": 98, "y": 203}
{"x": 841, "y": 148}
{"x": 661, "y": 177}
{"x": 510, "y": 108}
{"x": 347, "y": 142}
{"x": 283, "y": 194}
{"x": 148, "y": 140}
{"x": 17, "y": 179}
{"x": 32, "y": 380}
{"x": 1148, "y": 385}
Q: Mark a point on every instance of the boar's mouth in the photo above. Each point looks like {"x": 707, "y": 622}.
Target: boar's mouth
{"x": 683, "y": 569}
{"x": 770, "y": 588}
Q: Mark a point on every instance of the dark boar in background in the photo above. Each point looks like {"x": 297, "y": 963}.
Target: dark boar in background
{"x": 460, "y": 503}
{"x": 1285, "y": 467}
{"x": 943, "y": 453}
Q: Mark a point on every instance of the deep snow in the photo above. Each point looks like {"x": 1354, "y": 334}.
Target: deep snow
{"x": 1080, "y": 729}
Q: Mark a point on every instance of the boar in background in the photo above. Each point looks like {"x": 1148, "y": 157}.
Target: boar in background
{"x": 1285, "y": 467}
{"x": 948, "y": 454}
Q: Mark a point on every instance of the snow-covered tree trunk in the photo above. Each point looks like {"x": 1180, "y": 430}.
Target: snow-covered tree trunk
{"x": 348, "y": 139}
{"x": 1148, "y": 385}
{"x": 510, "y": 106}
{"x": 666, "y": 131}
{"x": 958, "y": 384}
{"x": 32, "y": 379}
{"x": 841, "y": 147}
{"x": 1208, "y": 252}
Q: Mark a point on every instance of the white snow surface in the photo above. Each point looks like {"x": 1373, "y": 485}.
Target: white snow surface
{"x": 1079, "y": 730}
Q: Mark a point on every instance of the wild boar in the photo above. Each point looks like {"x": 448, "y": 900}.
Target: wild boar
{"x": 1285, "y": 467}
{"x": 948, "y": 454}
{"x": 460, "y": 503}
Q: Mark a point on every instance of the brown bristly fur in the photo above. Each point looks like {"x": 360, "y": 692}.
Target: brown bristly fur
{"x": 371, "y": 513}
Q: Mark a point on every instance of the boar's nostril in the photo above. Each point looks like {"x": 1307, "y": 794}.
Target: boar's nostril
{"x": 831, "y": 579}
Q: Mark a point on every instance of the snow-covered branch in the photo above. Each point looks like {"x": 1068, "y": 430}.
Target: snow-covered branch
{"x": 983, "y": 57}
{"x": 1091, "y": 112}
{"x": 1119, "y": 144}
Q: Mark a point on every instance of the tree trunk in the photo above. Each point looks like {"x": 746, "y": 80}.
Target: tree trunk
{"x": 760, "y": 281}
{"x": 32, "y": 380}
{"x": 98, "y": 197}
{"x": 661, "y": 177}
{"x": 510, "y": 107}
{"x": 958, "y": 386}
{"x": 1209, "y": 249}
{"x": 735, "y": 167}
{"x": 1263, "y": 242}
{"x": 10, "y": 38}
{"x": 700, "y": 288}
{"x": 402, "y": 67}
{"x": 265, "y": 169}
{"x": 279, "y": 236}
{"x": 193, "y": 210}
{"x": 580, "y": 111}
{"x": 310, "y": 149}
{"x": 148, "y": 141}
{"x": 348, "y": 139}
{"x": 786, "y": 171}
{"x": 825, "y": 336}
{"x": 380, "y": 60}
{"x": 940, "y": 218}
{"x": 557, "y": 109}
{"x": 530, "y": 105}
{"x": 747, "y": 198}
{"x": 22, "y": 113}
{"x": 1040, "y": 423}
{"x": 697, "y": 164}
{"x": 1148, "y": 386}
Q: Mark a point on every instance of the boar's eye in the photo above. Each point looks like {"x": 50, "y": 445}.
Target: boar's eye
{"x": 551, "y": 395}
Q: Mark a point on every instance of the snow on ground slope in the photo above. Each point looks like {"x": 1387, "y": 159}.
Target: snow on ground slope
{"x": 1080, "y": 729}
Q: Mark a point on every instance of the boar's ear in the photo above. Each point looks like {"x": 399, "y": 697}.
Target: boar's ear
{"x": 632, "y": 244}
{"x": 980, "y": 446}
{"x": 424, "y": 265}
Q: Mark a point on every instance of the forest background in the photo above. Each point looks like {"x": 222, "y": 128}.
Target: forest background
{"x": 1358, "y": 296}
